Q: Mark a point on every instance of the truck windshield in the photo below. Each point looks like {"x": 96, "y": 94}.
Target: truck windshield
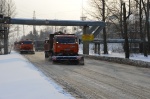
{"x": 66, "y": 40}
{"x": 26, "y": 42}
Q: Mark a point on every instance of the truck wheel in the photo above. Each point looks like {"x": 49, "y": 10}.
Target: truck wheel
{"x": 81, "y": 62}
{"x": 54, "y": 61}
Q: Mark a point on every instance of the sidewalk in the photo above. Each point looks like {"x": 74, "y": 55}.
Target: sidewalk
{"x": 19, "y": 79}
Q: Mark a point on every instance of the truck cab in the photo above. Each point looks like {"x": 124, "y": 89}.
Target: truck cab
{"x": 63, "y": 47}
{"x": 27, "y": 46}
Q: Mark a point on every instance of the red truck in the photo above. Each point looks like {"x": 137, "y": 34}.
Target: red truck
{"x": 63, "y": 47}
{"x": 27, "y": 46}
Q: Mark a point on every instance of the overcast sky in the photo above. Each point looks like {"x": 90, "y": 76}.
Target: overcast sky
{"x": 47, "y": 9}
{"x": 50, "y": 9}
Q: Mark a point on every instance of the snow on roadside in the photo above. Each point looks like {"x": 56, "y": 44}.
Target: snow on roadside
{"x": 19, "y": 79}
{"x": 113, "y": 52}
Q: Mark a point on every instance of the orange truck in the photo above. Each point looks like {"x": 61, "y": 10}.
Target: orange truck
{"x": 27, "y": 46}
{"x": 63, "y": 47}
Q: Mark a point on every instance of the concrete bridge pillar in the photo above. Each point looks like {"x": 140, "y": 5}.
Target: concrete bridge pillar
{"x": 85, "y": 43}
{"x": 97, "y": 48}
{"x": 5, "y": 40}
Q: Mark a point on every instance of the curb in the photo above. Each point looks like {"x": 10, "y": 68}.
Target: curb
{"x": 137, "y": 63}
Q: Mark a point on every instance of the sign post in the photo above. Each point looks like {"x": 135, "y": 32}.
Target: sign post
{"x": 87, "y": 37}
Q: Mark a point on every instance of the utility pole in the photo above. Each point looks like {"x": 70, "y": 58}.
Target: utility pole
{"x": 23, "y": 31}
{"x": 18, "y": 32}
{"x": 148, "y": 24}
{"x": 83, "y": 18}
{"x": 125, "y": 32}
{"x": 104, "y": 29}
{"x": 6, "y": 32}
{"x": 34, "y": 27}
{"x": 121, "y": 21}
{"x": 142, "y": 46}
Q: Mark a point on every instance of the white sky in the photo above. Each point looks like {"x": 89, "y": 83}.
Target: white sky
{"x": 47, "y": 9}
{"x": 50, "y": 9}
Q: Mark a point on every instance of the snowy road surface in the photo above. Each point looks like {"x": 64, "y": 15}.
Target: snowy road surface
{"x": 19, "y": 79}
{"x": 97, "y": 79}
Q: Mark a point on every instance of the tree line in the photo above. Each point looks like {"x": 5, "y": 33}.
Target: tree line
{"x": 127, "y": 19}
{"x": 35, "y": 35}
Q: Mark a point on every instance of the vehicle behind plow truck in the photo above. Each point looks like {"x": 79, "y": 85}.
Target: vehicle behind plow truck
{"x": 62, "y": 47}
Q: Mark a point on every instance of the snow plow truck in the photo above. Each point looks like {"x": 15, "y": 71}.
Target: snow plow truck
{"x": 60, "y": 47}
{"x": 26, "y": 46}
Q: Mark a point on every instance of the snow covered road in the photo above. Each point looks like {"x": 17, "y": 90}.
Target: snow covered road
{"x": 97, "y": 79}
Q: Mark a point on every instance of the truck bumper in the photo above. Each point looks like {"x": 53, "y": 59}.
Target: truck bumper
{"x": 27, "y": 51}
{"x": 66, "y": 58}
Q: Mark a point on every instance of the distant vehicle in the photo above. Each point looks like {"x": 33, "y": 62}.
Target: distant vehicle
{"x": 17, "y": 46}
{"x": 39, "y": 45}
{"x": 47, "y": 48}
{"x": 63, "y": 47}
{"x": 27, "y": 46}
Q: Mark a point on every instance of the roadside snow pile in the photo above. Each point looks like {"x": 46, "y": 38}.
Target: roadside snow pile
{"x": 137, "y": 63}
{"x": 117, "y": 57}
{"x": 19, "y": 79}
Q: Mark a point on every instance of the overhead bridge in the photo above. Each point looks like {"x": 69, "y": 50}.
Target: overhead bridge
{"x": 55, "y": 22}
{"x": 89, "y": 27}
{"x": 92, "y": 27}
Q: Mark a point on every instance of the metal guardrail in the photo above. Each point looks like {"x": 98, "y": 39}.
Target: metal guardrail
{"x": 118, "y": 41}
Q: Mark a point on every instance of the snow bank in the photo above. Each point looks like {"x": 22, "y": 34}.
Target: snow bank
{"x": 19, "y": 79}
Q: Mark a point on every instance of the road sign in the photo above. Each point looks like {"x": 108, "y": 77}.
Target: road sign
{"x": 87, "y": 37}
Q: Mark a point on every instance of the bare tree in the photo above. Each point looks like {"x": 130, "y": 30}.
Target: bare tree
{"x": 125, "y": 32}
{"x": 11, "y": 8}
{"x": 143, "y": 6}
{"x": 112, "y": 12}
{"x": 100, "y": 14}
{"x": 7, "y": 8}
